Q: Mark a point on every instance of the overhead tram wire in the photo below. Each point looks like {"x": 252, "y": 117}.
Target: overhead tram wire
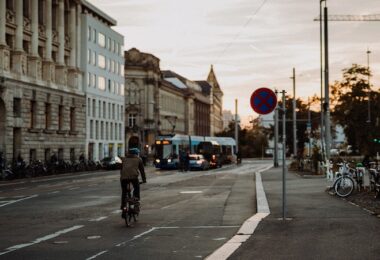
{"x": 241, "y": 30}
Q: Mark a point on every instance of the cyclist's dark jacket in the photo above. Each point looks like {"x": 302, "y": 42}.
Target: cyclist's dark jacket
{"x": 132, "y": 166}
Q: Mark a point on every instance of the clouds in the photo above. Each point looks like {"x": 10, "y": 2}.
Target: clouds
{"x": 247, "y": 51}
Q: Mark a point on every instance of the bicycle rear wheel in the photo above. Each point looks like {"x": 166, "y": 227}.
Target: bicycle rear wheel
{"x": 344, "y": 186}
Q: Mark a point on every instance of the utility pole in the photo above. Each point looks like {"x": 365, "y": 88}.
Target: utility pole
{"x": 236, "y": 126}
{"x": 308, "y": 128}
{"x": 369, "y": 88}
{"x": 321, "y": 72}
{"x": 327, "y": 88}
{"x": 294, "y": 115}
{"x": 283, "y": 156}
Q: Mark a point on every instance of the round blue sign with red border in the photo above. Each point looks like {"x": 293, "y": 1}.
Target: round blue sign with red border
{"x": 263, "y": 101}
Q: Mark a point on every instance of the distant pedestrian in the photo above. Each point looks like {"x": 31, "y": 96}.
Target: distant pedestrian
{"x": 187, "y": 161}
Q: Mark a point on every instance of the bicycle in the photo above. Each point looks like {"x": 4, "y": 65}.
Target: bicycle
{"x": 344, "y": 184}
{"x": 132, "y": 207}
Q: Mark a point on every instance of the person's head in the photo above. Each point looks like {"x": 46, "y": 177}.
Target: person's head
{"x": 134, "y": 151}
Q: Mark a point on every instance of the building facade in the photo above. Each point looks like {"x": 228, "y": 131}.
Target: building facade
{"x": 42, "y": 103}
{"x": 216, "y": 100}
{"x": 142, "y": 81}
{"x": 103, "y": 67}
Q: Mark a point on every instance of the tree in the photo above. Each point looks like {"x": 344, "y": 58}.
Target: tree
{"x": 350, "y": 108}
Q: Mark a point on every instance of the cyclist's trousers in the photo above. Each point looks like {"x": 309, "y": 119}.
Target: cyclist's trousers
{"x": 136, "y": 190}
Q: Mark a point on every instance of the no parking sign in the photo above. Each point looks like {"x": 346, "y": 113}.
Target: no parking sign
{"x": 263, "y": 101}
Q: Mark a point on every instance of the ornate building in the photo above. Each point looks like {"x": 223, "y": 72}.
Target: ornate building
{"x": 42, "y": 103}
{"x": 216, "y": 100}
{"x": 142, "y": 82}
{"x": 164, "y": 102}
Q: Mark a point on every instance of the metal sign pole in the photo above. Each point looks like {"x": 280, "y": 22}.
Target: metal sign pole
{"x": 283, "y": 156}
{"x": 275, "y": 155}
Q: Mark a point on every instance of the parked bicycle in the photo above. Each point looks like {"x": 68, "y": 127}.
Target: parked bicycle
{"x": 344, "y": 183}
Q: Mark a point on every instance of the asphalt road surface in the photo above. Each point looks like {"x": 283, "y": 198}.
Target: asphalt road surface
{"x": 183, "y": 215}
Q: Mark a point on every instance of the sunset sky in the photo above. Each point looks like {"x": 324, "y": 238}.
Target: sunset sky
{"x": 251, "y": 43}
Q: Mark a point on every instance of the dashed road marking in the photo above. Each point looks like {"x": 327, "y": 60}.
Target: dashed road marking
{"x": 39, "y": 240}
{"x": 14, "y": 201}
{"x": 54, "y": 192}
{"x": 98, "y": 219}
{"x": 98, "y": 254}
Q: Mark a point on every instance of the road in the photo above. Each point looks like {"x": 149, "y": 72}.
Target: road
{"x": 183, "y": 215}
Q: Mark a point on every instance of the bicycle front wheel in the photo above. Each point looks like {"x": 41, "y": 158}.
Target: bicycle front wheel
{"x": 344, "y": 186}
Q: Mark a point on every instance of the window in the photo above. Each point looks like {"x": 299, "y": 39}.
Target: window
{"x": 93, "y": 59}
{"x": 91, "y": 129}
{"x": 121, "y": 70}
{"x": 26, "y": 10}
{"x": 104, "y": 109}
{"x": 101, "y": 83}
{"x": 47, "y": 115}
{"x": 101, "y": 40}
{"x": 89, "y": 55}
{"x": 89, "y": 33}
{"x": 94, "y": 35}
{"x": 116, "y": 128}
{"x": 120, "y": 131}
{"x": 111, "y": 132}
{"x": 102, "y": 130}
{"x": 47, "y": 155}
{"x": 122, "y": 89}
{"x": 60, "y": 117}
{"x": 41, "y": 13}
{"x": 113, "y": 111}
{"x": 106, "y": 130}
{"x": 32, "y": 155}
{"x": 72, "y": 154}
{"x": 60, "y": 154}
{"x": 109, "y": 43}
{"x": 112, "y": 66}
{"x": 33, "y": 113}
{"x": 72, "y": 119}
{"x": 88, "y": 79}
{"x": 17, "y": 107}
{"x": 109, "y": 110}
{"x": 132, "y": 120}
{"x": 96, "y": 130}
{"x": 99, "y": 108}
{"x": 89, "y": 107}
{"x": 93, "y": 108}
{"x": 101, "y": 61}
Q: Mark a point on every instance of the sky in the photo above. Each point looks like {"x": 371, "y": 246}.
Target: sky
{"x": 251, "y": 43}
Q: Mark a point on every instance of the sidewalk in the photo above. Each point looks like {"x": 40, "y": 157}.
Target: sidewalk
{"x": 321, "y": 226}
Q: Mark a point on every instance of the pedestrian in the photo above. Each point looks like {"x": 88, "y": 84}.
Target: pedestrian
{"x": 182, "y": 159}
{"x": 187, "y": 161}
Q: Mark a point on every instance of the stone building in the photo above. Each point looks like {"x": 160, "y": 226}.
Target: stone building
{"x": 142, "y": 81}
{"x": 42, "y": 103}
{"x": 164, "y": 102}
{"x": 216, "y": 100}
{"x": 103, "y": 66}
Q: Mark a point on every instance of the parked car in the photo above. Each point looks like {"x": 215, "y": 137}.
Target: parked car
{"x": 198, "y": 162}
{"x": 111, "y": 163}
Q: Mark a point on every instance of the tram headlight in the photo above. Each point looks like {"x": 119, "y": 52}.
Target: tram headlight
{"x": 158, "y": 161}
{"x": 169, "y": 160}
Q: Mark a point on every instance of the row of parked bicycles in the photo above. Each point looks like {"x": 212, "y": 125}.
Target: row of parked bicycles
{"x": 348, "y": 178}
{"x": 21, "y": 169}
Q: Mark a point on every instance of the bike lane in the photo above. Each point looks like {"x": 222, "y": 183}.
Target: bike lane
{"x": 320, "y": 226}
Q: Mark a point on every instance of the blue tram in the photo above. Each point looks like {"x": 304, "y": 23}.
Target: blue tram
{"x": 169, "y": 148}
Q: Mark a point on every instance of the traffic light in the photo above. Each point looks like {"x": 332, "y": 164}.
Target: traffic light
{"x": 376, "y": 140}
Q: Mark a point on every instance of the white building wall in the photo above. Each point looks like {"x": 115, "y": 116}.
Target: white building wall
{"x": 103, "y": 67}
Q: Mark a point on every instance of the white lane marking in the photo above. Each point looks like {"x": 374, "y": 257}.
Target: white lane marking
{"x": 248, "y": 226}
{"x": 137, "y": 236}
{"x": 74, "y": 188}
{"x": 39, "y": 240}
{"x": 98, "y": 219}
{"x": 191, "y": 192}
{"x": 54, "y": 192}
{"x": 98, "y": 254}
{"x": 14, "y": 201}
{"x": 116, "y": 211}
{"x": 24, "y": 188}
{"x": 9, "y": 184}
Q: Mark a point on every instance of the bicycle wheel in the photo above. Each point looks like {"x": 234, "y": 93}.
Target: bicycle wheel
{"x": 344, "y": 186}
{"x": 126, "y": 216}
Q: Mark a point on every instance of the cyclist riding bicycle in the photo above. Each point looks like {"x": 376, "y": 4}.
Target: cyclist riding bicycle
{"x": 132, "y": 166}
